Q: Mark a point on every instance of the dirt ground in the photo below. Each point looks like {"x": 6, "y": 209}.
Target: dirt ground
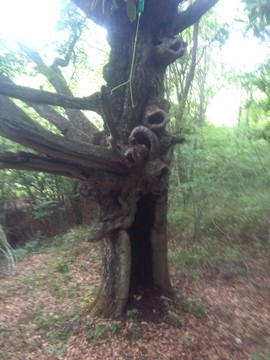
{"x": 43, "y": 315}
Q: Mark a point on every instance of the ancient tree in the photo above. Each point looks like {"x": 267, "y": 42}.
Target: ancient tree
{"x": 125, "y": 167}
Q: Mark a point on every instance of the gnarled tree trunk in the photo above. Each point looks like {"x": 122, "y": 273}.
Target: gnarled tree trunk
{"x": 130, "y": 179}
{"x": 134, "y": 216}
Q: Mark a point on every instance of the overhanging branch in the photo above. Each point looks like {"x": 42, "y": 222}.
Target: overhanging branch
{"x": 58, "y": 148}
{"x": 32, "y": 162}
{"x": 192, "y": 15}
{"x": 95, "y": 10}
{"x": 57, "y": 80}
{"x": 47, "y": 112}
{"x": 42, "y": 97}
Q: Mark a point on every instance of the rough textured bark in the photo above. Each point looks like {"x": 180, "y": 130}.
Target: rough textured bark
{"x": 114, "y": 291}
{"x": 129, "y": 180}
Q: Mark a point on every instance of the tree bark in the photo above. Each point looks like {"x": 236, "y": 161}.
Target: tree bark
{"x": 114, "y": 290}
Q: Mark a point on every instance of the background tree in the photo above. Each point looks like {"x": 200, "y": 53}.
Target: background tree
{"x": 191, "y": 81}
{"x": 216, "y": 166}
{"x": 128, "y": 179}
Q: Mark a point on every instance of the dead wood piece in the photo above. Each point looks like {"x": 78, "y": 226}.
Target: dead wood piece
{"x": 167, "y": 141}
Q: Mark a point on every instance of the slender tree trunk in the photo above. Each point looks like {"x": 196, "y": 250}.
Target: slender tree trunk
{"x": 190, "y": 75}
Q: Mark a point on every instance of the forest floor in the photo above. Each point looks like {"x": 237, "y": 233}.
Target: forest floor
{"x": 43, "y": 313}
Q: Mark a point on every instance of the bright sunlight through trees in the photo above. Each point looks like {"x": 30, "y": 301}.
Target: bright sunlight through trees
{"x": 30, "y": 21}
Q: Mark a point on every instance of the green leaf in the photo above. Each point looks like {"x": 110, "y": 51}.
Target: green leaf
{"x": 131, "y": 10}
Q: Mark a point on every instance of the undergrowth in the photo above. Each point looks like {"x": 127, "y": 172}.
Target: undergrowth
{"x": 211, "y": 258}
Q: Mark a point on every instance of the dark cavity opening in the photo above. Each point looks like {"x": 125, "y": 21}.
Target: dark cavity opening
{"x": 139, "y": 232}
{"x": 156, "y": 118}
{"x": 143, "y": 139}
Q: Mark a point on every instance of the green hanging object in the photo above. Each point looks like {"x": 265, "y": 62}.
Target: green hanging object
{"x": 140, "y": 7}
{"x": 131, "y": 10}
{"x": 132, "y": 16}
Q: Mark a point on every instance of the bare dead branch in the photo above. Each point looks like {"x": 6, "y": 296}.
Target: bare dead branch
{"x": 64, "y": 62}
{"x": 189, "y": 77}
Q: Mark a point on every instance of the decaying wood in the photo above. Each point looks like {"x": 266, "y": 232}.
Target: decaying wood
{"x": 56, "y": 147}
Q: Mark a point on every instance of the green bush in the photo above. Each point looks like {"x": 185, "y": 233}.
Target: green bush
{"x": 210, "y": 257}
